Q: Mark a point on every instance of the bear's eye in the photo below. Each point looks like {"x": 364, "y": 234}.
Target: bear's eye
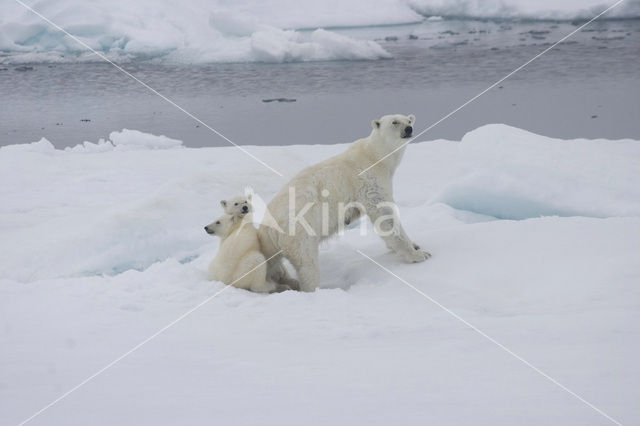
{"x": 218, "y": 223}
{"x": 395, "y": 123}
{"x": 235, "y": 204}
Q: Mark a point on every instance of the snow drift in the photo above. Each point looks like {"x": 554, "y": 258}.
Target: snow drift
{"x": 509, "y": 173}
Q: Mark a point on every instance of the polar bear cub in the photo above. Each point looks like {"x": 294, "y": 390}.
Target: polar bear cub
{"x": 240, "y": 205}
{"x": 239, "y": 262}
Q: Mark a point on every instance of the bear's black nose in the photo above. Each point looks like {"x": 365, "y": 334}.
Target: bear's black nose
{"x": 245, "y": 209}
{"x": 408, "y": 130}
{"x": 206, "y": 229}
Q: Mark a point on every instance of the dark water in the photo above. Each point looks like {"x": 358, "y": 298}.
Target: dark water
{"x": 587, "y": 87}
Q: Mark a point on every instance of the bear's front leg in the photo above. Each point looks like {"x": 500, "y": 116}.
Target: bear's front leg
{"x": 423, "y": 255}
{"x": 387, "y": 224}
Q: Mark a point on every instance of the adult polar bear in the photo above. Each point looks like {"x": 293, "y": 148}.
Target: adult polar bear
{"x": 318, "y": 201}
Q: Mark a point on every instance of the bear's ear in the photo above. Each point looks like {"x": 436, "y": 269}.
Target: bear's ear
{"x": 223, "y": 203}
{"x": 375, "y": 124}
{"x": 412, "y": 119}
{"x": 249, "y": 197}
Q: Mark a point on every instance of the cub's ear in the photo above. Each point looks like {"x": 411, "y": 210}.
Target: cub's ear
{"x": 223, "y": 203}
{"x": 249, "y": 197}
{"x": 412, "y": 119}
{"x": 375, "y": 124}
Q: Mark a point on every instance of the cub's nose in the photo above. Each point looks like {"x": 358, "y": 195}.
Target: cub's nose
{"x": 408, "y": 130}
{"x": 206, "y": 229}
{"x": 245, "y": 209}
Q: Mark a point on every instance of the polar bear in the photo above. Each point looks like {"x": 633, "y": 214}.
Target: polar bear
{"x": 239, "y": 205}
{"x": 239, "y": 261}
{"x": 322, "y": 198}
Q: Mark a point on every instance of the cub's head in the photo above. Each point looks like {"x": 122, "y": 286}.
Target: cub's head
{"x": 238, "y": 206}
{"x": 223, "y": 226}
{"x": 394, "y": 127}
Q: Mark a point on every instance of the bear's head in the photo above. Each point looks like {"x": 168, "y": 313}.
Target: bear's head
{"x": 223, "y": 226}
{"x": 393, "y": 128}
{"x": 238, "y": 206}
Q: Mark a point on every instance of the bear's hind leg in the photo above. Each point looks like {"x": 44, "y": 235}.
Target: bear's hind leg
{"x": 263, "y": 287}
{"x": 251, "y": 273}
{"x": 277, "y": 272}
{"x": 306, "y": 264}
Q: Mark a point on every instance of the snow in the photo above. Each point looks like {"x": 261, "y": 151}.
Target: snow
{"x": 127, "y": 140}
{"x": 196, "y": 31}
{"x": 525, "y": 9}
{"x": 289, "y": 46}
{"x": 204, "y": 31}
{"x": 535, "y": 241}
{"x": 513, "y": 174}
{"x": 42, "y": 145}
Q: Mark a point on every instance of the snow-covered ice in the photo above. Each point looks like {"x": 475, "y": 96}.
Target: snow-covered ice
{"x": 196, "y": 31}
{"x": 535, "y": 241}
{"x": 205, "y": 31}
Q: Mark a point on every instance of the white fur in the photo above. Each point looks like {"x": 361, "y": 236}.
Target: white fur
{"x": 239, "y": 261}
{"x": 339, "y": 176}
{"x": 235, "y": 205}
